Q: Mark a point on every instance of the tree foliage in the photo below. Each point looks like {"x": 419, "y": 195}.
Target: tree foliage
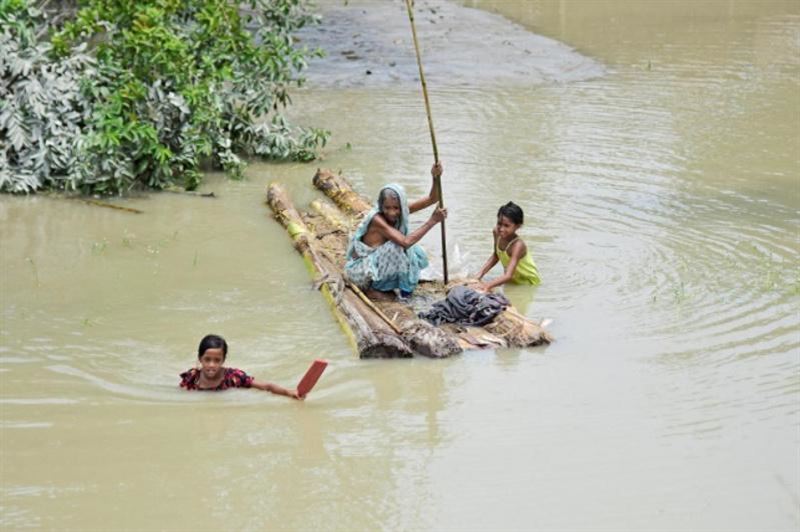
{"x": 42, "y": 112}
{"x": 172, "y": 83}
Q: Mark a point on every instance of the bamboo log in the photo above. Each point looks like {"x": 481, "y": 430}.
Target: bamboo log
{"x": 339, "y": 190}
{"x": 331, "y": 214}
{"x": 370, "y": 335}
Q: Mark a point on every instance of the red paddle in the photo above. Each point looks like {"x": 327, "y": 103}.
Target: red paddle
{"x": 311, "y": 377}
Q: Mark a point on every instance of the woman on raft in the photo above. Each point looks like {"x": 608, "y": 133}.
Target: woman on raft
{"x": 382, "y": 257}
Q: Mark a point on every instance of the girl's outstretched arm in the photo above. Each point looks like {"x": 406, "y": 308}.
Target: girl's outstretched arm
{"x": 488, "y": 266}
{"x": 277, "y": 390}
{"x": 492, "y": 260}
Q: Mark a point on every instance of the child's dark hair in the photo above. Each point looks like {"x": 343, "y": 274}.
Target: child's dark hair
{"x": 512, "y": 211}
{"x": 212, "y": 341}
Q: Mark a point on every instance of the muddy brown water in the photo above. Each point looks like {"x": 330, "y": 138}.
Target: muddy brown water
{"x": 661, "y": 196}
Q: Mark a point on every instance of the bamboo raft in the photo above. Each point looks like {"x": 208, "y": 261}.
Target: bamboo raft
{"x": 381, "y": 329}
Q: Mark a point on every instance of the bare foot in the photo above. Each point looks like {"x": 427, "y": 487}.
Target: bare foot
{"x": 377, "y": 295}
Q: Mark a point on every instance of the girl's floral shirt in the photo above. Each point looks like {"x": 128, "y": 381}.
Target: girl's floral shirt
{"x": 234, "y": 378}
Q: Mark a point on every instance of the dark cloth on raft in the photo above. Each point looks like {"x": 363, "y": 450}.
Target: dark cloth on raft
{"x": 466, "y": 306}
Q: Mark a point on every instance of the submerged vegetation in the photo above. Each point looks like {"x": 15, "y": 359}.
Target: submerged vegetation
{"x": 140, "y": 95}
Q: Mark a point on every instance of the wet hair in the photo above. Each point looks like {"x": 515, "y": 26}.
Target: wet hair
{"x": 512, "y": 211}
{"x": 212, "y": 341}
{"x": 385, "y": 194}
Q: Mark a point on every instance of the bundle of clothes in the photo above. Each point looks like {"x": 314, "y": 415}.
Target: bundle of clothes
{"x": 466, "y": 306}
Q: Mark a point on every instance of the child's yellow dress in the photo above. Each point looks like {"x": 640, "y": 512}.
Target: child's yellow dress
{"x": 526, "y": 272}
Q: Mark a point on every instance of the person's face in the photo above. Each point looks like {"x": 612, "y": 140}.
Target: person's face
{"x": 211, "y": 362}
{"x": 391, "y": 209}
{"x": 506, "y": 228}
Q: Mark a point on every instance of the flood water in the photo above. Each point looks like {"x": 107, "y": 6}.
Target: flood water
{"x": 661, "y": 202}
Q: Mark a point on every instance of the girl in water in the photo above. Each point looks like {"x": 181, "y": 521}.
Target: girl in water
{"x": 212, "y": 375}
{"x": 510, "y": 250}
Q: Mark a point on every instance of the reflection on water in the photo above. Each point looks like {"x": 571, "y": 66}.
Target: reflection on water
{"x": 661, "y": 205}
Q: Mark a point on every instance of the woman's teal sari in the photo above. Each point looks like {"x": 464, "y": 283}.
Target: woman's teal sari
{"x": 388, "y": 266}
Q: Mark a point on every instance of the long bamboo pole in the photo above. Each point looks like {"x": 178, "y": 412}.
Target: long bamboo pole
{"x": 437, "y": 180}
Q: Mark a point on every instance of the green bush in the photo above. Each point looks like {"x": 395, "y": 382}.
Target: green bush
{"x": 42, "y": 111}
{"x": 174, "y": 83}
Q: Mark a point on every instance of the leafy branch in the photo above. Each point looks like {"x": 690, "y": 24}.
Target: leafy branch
{"x": 137, "y": 95}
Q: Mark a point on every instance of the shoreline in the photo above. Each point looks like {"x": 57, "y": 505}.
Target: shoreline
{"x": 369, "y": 44}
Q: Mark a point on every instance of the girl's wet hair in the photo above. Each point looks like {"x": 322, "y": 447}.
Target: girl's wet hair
{"x": 212, "y": 341}
{"x": 512, "y": 211}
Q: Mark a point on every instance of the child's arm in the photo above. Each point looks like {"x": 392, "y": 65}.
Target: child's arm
{"x": 433, "y": 195}
{"x": 274, "y": 388}
{"x": 488, "y": 266}
{"x": 492, "y": 260}
{"x": 518, "y": 250}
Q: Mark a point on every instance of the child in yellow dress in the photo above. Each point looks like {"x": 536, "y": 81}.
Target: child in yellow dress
{"x": 510, "y": 251}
